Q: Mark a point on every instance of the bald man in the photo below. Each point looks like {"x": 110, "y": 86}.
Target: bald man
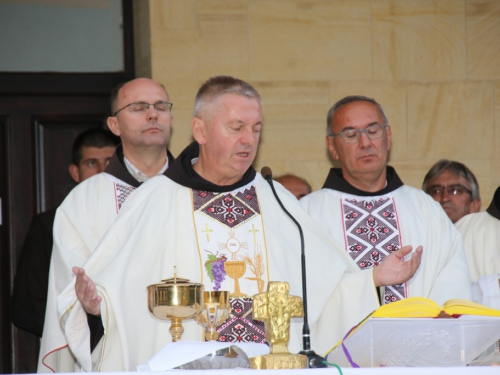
{"x": 295, "y": 185}
{"x": 142, "y": 118}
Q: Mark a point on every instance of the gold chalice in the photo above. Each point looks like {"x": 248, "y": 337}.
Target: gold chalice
{"x": 235, "y": 269}
{"x": 215, "y": 312}
{"x": 176, "y": 299}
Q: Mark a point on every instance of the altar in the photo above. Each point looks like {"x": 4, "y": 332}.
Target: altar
{"x": 466, "y": 370}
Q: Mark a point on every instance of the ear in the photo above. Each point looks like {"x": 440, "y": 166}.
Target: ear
{"x": 388, "y": 131}
{"x": 199, "y": 130}
{"x": 73, "y": 172}
{"x": 475, "y": 206}
{"x": 113, "y": 125}
{"x": 331, "y": 147}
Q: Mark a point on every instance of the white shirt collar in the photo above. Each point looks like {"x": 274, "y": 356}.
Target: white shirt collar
{"x": 137, "y": 174}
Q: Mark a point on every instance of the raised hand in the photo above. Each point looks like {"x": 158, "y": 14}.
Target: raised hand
{"x": 394, "y": 270}
{"x": 86, "y": 292}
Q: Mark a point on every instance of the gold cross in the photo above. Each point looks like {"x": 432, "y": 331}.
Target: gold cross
{"x": 207, "y": 231}
{"x": 254, "y": 231}
{"x": 275, "y": 308}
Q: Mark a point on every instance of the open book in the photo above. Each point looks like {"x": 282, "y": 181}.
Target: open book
{"x": 420, "y": 307}
{"x": 407, "y": 333}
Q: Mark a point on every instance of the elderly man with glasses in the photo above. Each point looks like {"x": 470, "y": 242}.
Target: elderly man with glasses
{"x": 365, "y": 205}
{"x": 455, "y": 187}
{"x": 142, "y": 118}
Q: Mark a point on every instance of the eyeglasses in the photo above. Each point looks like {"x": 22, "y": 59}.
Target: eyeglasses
{"x": 143, "y": 107}
{"x": 438, "y": 190}
{"x": 352, "y": 135}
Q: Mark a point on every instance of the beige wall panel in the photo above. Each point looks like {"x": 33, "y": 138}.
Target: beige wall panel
{"x": 483, "y": 39}
{"x": 222, "y": 7}
{"x": 309, "y": 39}
{"x": 223, "y": 45}
{"x": 294, "y": 125}
{"x": 419, "y": 40}
{"x": 391, "y": 95}
{"x": 294, "y": 99}
{"x": 450, "y": 120}
{"x": 174, "y": 63}
{"x": 291, "y": 138}
{"x": 173, "y": 14}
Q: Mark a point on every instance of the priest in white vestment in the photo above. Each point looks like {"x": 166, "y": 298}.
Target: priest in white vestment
{"x": 212, "y": 214}
{"x": 481, "y": 236}
{"x": 365, "y": 205}
{"x": 91, "y": 207}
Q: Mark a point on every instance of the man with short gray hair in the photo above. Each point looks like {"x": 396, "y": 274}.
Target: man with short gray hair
{"x": 365, "y": 205}
{"x": 216, "y": 221}
{"x": 455, "y": 187}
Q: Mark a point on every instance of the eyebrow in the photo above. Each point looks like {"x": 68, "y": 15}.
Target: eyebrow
{"x": 349, "y": 127}
{"x": 239, "y": 122}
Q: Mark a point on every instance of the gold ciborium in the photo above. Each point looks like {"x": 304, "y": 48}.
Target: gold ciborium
{"x": 235, "y": 269}
{"x": 214, "y": 313}
{"x": 175, "y": 299}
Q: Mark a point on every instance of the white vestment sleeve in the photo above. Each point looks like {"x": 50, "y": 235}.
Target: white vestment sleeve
{"x": 487, "y": 291}
{"x": 80, "y": 223}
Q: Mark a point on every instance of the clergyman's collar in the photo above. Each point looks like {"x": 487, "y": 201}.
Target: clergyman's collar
{"x": 494, "y": 208}
{"x": 117, "y": 168}
{"x": 336, "y": 181}
{"x": 182, "y": 172}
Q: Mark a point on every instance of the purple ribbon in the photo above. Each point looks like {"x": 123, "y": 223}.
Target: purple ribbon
{"x": 346, "y": 352}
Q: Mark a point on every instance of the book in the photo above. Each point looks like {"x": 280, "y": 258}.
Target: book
{"x": 420, "y": 307}
{"x": 418, "y": 332}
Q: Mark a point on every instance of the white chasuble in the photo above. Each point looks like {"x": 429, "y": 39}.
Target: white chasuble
{"x": 238, "y": 241}
{"x": 375, "y": 224}
{"x": 230, "y": 237}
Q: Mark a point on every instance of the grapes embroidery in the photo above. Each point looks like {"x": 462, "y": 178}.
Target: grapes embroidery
{"x": 215, "y": 269}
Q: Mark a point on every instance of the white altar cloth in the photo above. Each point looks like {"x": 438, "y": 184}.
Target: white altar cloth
{"x": 490, "y": 370}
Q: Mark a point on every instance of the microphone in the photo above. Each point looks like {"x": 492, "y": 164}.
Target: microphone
{"x": 313, "y": 360}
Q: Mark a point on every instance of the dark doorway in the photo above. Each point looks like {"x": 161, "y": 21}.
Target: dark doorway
{"x": 40, "y": 115}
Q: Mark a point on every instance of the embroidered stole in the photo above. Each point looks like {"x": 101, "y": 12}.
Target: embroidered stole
{"x": 122, "y": 192}
{"x": 371, "y": 232}
{"x": 230, "y": 234}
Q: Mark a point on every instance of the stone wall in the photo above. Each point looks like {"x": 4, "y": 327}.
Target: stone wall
{"x": 433, "y": 65}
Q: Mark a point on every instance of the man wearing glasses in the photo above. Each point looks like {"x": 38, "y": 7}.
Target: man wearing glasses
{"x": 455, "y": 187}
{"x": 365, "y": 206}
{"x": 142, "y": 118}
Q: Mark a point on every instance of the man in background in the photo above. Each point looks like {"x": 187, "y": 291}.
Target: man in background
{"x": 455, "y": 187}
{"x": 142, "y": 118}
{"x": 296, "y": 185}
{"x": 91, "y": 152}
{"x": 365, "y": 205}
{"x": 481, "y": 236}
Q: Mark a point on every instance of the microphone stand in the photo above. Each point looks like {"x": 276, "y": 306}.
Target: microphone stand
{"x": 313, "y": 360}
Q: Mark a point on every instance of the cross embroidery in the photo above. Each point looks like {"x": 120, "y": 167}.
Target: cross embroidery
{"x": 254, "y": 232}
{"x": 207, "y": 231}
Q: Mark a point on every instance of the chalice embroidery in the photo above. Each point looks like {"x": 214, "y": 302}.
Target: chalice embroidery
{"x": 234, "y": 268}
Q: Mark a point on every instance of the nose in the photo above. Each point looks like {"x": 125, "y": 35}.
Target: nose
{"x": 151, "y": 112}
{"x": 247, "y": 137}
{"x": 364, "y": 141}
{"x": 101, "y": 165}
{"x": 445, "y": 196}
